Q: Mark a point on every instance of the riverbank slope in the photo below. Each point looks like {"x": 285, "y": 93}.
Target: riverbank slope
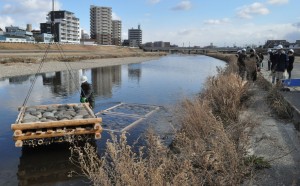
{"x": 24, "y": 58}
{"x": 273, "y": 138}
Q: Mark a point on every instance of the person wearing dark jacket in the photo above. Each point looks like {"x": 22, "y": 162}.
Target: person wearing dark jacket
{"x": 252, "y": 65}
{"x": 281, "y": 61}
{"x": 87, "y": 94}
{"x": 241, "y": 63}
{"x": 291, "y": 62}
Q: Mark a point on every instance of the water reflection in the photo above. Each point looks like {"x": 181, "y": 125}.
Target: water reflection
{"x": 135, "y": 71}
{"x": 104, "y": 78}
{"x": 46, "y": 165}
{"x": 19, "y": 79}
{"x": 62, "y": 83}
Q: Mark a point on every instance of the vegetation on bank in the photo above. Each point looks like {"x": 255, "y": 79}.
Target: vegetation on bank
{"x": 209, "y": 148}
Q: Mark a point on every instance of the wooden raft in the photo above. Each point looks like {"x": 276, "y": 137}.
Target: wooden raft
{"x": 55, "y": 129}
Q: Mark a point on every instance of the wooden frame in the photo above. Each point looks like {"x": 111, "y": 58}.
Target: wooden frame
{"x": 41, "y": 130}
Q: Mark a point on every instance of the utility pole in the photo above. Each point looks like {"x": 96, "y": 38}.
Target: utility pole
{"x": 52, "y": 21}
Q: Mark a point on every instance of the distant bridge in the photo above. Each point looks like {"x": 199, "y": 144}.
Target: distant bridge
{"x": 189, "y": 50}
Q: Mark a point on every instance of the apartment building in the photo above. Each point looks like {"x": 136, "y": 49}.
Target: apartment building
{"x": 135, "y": 37}
{"x": 66, "y": 26}
{"x": 101, "y": 24}
{"x": 116, "y": 32}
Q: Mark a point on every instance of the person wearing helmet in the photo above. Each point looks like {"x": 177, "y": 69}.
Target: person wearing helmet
{"x": 290, "y": 66}
{"x": 238, "y": 53}
{"x": 281, "y": 62}
{"x": 269, "y": 60}
{"x": 241, "y": 63}
{"x": 87, "y": 94}
{"x": 252, "y": 65}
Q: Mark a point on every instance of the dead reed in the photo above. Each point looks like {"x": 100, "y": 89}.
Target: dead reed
{"x": 279, "y": 105}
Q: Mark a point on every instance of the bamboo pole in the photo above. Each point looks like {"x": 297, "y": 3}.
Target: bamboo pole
{"x": 87, "y": 107}
{"x": 53, "y": 124}
{"x": 21, "y": 114}
{"x": 132, "y": 124}
{"x": 18, "y": 133}
{"x": 45, "y": 135}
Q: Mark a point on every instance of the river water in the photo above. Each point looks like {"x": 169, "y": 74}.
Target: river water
{"x": 163, "y": 82}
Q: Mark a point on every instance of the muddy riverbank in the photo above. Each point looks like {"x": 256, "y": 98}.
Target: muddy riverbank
{"x": 18, "y": 69}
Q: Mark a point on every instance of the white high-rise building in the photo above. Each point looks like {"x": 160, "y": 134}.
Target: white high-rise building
{"x": 66, "y": 27}
{"x": 101, "y": 24}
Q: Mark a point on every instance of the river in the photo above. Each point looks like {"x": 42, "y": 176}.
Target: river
{"x": 163, "y": 83}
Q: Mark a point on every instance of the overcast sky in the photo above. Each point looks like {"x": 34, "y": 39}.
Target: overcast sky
{"x": 182, "y": 22}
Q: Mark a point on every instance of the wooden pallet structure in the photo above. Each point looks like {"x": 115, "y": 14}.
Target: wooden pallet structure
{"x": 47, "y": 132}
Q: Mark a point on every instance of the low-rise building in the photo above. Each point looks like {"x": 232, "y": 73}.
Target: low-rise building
{"x": 274, "y": 43}
{"x": 17, "y": 32}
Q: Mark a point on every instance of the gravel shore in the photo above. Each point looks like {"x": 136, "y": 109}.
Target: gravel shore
{"x": 17, "y": 69}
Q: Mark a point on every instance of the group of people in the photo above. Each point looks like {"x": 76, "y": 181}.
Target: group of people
{"x": 250, "y": 64}
{"x": 278, "y": 63}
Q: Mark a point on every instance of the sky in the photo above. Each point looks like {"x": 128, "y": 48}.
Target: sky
{"x": 181, "y": 22}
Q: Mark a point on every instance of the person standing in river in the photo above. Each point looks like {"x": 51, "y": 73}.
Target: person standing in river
{"x": 291, "y": 62}
{"x": 87, "y": 93}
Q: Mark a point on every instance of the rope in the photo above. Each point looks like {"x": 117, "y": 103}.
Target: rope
{"x": 35, "y": 76}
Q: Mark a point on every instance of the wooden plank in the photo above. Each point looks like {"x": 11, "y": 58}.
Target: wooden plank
{"x": 45, "y": 135}
{"x": 64, "y": 123}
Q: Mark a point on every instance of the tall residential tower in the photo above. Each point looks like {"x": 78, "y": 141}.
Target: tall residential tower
{"x": 101, "y": 24}
{"x": 116, "y": 32}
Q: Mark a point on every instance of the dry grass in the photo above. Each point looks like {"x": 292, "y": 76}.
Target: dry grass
{"x": 69, "y": 53}
{"x": 225, "y": 94}
{"x": 279, "y": 105}
{"x": 209, "y": 149}
{"x": 263, "y": 83}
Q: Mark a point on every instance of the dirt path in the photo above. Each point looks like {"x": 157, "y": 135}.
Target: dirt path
{"x": 275, "y": 140}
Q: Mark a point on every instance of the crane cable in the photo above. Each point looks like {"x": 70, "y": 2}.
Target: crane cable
{"x": 35, "y": 76}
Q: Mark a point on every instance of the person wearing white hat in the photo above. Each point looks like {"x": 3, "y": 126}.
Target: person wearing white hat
{"x": 291, "y": 62}
{"x": 241, "y": 63}
{"x": 87, "y": 94}
{"x": 281, "y": 62}
{"x": 253, "y": 65}
{"x": 269, "y": 60}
